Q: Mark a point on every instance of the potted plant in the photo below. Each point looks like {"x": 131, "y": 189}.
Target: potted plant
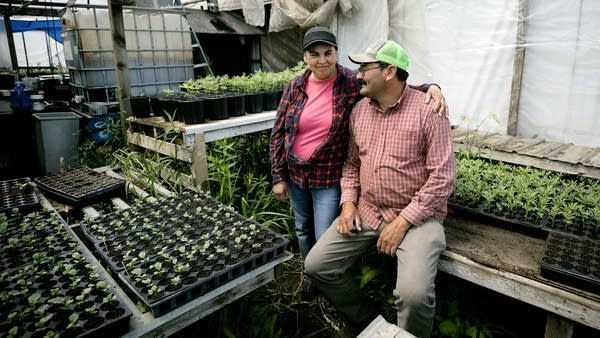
{"x": 189, "y": 107}
{"x": 140, "y": 106}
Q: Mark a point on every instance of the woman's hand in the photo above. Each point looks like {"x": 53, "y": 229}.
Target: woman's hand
{"x": 441, "y": 107}
{"x": 281, "y": 191}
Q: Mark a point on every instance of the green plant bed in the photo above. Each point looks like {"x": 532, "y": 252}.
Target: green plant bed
{"x": 173, "y": 250}
{"x": 49, "y": 286}
{"x": 525, "y": 196}
{"x": 18, "y": 193}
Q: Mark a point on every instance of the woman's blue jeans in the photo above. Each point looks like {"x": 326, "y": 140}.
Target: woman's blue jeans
{"x": 314, "y": 211}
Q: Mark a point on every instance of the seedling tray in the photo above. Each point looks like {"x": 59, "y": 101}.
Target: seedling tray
{"x": 513, "y": 222}
{"x": 202, "y": 279}
{"x": 50, "y": 288}
{"x": 44, "y": 268}
{"x": 190, "y": 238}
{"x": 37, "y": 232}
{"x": 18, "y": 193}
{"x": 81, "y": 186}
{"x": 572, "y": 260}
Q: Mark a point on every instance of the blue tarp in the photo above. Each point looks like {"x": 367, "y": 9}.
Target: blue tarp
{"x": 51, "y": 27}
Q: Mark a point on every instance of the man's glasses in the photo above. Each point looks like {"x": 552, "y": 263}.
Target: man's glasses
{"x": 364, "y": 70}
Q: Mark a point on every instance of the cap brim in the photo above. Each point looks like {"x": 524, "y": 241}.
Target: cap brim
{"x": 361, "y": 58}
{"x": 319, "y": 41}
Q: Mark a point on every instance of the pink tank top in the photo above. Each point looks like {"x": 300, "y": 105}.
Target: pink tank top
{"x": 316, "y": 117}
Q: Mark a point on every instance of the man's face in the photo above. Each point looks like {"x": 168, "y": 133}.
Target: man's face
{"x": 371, "y": 76}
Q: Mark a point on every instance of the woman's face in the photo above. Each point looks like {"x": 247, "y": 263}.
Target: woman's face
{"x": 321, "y": 59}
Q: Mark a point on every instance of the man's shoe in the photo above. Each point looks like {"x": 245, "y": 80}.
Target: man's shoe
{"x": 309, "y": 292}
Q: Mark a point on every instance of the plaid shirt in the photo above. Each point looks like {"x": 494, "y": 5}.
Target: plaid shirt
{"x": 400, "y": 161}
{"x": 324, "y": 167}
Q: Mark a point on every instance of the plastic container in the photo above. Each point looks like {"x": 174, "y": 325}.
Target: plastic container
{"x": 159, "y": 50}
{"x": 38, "y": 103}
{"x": 57, "y": 136}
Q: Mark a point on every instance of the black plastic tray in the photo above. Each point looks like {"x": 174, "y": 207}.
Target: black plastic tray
{"x": 132, "y": 240}
{"x": 81, "y": 186}
{"x": 202, "y": 282}
{"x": 33, "y": 250}
{"x": 18, "y": 193}
{"x": 514, "y": 222}
{"x": 39, "y": 231}
{"x": 572, "y": 260}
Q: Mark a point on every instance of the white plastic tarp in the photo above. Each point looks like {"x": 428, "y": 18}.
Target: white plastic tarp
{"x": 468, "y": 47}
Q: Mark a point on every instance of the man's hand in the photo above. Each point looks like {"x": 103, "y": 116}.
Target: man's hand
{"x": 392, "y": 235}
{"x": 349, "y": 221}
{"x": 441, "y": 107}
{"x": 281, "y": 191}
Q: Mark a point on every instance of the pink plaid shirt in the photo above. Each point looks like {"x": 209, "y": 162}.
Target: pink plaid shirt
{"x": 400, "y": 161}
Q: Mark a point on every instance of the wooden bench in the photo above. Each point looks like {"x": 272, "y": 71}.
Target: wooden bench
{"x": 506, "y": 261}
{"x": 191, "y": 147}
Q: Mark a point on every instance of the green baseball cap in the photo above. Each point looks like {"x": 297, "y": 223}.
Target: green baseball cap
{"x": 387, "y": 51}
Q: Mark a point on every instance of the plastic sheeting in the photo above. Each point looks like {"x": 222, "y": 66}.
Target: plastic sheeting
{"x": 468, "y": 47}
{"x": 50, "y": 27}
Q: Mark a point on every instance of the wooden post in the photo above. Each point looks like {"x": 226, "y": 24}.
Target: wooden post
{"x": 11, "y": 42}
{"x": 117, "y": 27}
{"x": 200, "y": 162}
{"x": 558, "y": 327}
{"x": 515, "y": 90}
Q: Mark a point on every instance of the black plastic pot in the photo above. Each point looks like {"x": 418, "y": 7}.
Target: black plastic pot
{"x": 216, "y": 107}
{"x": 236, "y": 105}
{"x": 254, "y": 103}
{"x": 167, "y": 108}
{"x": 270, "y": 100}
{"x": 191, "y": 111}
{"x": 140, "y": 106}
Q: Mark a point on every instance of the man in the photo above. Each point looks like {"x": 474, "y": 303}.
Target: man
{"x": 395, "y": 184}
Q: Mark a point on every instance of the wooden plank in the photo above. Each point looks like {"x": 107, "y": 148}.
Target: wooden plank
{"x": 90, "y": 211}
{"x": 177, "y": 177}
{"x": 571, "y": 153}
{"x": 495, "y": 141}
{"x": 130, "y": 186}
{"x": 155, "y": 186}
{"x": 542, "y": 150}
{"x": 162, "y": 147}
{"x": 380, "y": 328}
{"x": 516, "y": 143}
{"x": 119, "y": 203}
{"x": 119, "y": 47}
{"x": 474, "y": 138}
{"x": 215, "y": 129}
{"x": 459, "y": 132}
{"x": 558, "y": 327}
{"x": 593, "y": 158}
{"x": 537, "y": 162}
